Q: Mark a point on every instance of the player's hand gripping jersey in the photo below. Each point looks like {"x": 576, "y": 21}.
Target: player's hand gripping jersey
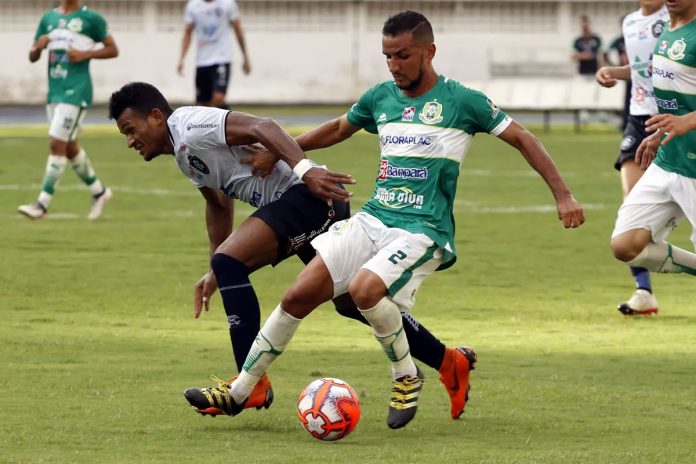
{"x": 81, "y": 30}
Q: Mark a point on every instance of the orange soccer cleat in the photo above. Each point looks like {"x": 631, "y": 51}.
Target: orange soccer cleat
{"x": 454, "y": 375}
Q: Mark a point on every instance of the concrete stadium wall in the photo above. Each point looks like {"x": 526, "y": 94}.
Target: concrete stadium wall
{"x": 312, "y": 51}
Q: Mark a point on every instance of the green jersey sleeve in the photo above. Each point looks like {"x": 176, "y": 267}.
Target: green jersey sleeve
{"x": 42, "y": 29}
{"x": 361, "y": 114}
{"x": 98, "y": 29}
{"x": 480, "y": 114}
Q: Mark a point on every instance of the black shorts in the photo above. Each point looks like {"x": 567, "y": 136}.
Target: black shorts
{"x": 297, "y": 217}
{"x": 209, "y": 79}
{"x": 633, "y": 134}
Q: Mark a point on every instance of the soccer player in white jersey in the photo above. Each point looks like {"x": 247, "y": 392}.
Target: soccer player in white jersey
{"x": 72, "y": 34}
{"x": 204, "y": 143}
{"x": 666, "y": 193}
{"x": 641, "y": 30}
{"x": 405, "y": 232}
{"x": 213, "y": 22}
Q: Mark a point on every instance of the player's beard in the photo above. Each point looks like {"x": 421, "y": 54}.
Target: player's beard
{"x": 415, "y": 82}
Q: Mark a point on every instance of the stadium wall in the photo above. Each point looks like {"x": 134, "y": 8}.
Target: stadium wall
{"x": 314, "y": 51}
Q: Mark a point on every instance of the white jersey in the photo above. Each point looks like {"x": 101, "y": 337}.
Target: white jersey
{"x": 641, "y": 33}
{"x": 202, "y": 154}
{"x": 211, "y": 21}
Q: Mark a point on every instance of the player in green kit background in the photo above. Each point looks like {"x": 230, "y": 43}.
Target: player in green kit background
{"x": 666, "y": 193}
{"x": 72, "y": 34}
{"x": 405, "y": 232}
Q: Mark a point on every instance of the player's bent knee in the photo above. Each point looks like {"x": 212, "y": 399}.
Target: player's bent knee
{"x": 624, "y": 250}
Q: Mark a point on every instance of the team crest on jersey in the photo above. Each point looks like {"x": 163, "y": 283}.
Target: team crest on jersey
{"x": 198, "y": 164}
{"x": 432, "y": 113}
{"x": 408, "y": 113}
{"x": 676, "y": 51}
{"x": 663, "y": 47}
{"x": 657, "y": 28}
{"x": 75, "y": 25}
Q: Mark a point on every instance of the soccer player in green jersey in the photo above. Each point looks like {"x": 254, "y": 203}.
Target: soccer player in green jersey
{"x": 72, "y": 34}
{"x": 405, "y": 232}
{"x": 666, "y": 193}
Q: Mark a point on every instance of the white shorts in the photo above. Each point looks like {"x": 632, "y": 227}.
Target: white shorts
{"x": 401, "y": 259}
{"x": 658, "y": 202}
{"x": 65, "y": 120}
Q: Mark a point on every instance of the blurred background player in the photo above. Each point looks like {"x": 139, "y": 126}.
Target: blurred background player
{"x": 405, "y": 232}
{"x": 71, "y": 33}
{"x": 213, "y": 21}
{"x": 587, "y": 49}
{"x": 203, "y": 141}
{"x": 641, "y": 30}
{"x": 666, "y": 193}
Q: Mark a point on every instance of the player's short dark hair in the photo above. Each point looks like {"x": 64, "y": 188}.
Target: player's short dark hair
{"x": 140, "y": 97}
{"x": 409, "y": 21}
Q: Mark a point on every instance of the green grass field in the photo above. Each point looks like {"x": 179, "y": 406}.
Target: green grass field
{"x": 98, "y": 341}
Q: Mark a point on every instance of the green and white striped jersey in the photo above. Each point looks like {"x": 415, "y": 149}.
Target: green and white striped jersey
{"x": 423, "y": 141}
{"x": 82, "y": 30}
{"x": 674, "y": 80}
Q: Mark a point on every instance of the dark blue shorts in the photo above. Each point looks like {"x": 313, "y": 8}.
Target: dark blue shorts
{"x": 297, "y": 217}
{"x": 633, "y": 134}
{"x": 209, "y": 79}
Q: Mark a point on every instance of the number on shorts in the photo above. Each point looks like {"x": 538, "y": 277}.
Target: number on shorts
{"x": 68, "y": 123}
{"x": 398, "y": 256}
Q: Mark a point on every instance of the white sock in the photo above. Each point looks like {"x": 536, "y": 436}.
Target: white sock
{"x": 385, "y": 319}
{"x": 55, "y": 166}
{"x": 272, "y": 339}
{"x": 84, "y": 170}
{"x": 665, "y": 257}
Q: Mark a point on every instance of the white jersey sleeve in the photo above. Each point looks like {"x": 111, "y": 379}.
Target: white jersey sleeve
{"x": 188, "y": 13}
{"x": 233, "y": 11}
{"x": 202, "y": 154}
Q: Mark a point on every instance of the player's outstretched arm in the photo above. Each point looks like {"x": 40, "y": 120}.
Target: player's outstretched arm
{"x": 569, "y": 210}
{"x": 185, "y": 44}
{"x": 607, "y": 76}
{"x": 328, "y": 134}
{"x": 246, "y": 129}
{"x": 219, "y": 213}
{"x": 239, "y": 33}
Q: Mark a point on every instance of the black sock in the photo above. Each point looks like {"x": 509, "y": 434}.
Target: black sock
{"x": 241, "y": 304}
{"x": 425, "y": 347}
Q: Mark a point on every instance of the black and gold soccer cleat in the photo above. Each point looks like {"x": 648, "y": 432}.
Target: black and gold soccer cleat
{"x": 213, "y": 401}
{"x": 404, "y": 399}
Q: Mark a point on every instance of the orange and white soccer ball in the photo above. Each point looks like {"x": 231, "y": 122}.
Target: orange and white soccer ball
{"x": 328, "y": 409}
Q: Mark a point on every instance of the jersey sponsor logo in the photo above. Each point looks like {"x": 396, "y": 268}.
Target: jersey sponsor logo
{"x": 663, "y": 47}
{"x": 405, "y": 140}
{"x": 676, "y": 51}
{"x": 642, "y": 93}
{"x": 58, "y": 72}
{"x": 643, "y": 68}
{"x": 431, "y": 113}
{"x": 667, "y": 104}
{"x": 382, "y": 118}
{"x": 662, "y": 73}
{"x": 387, "y": 170}
{"x": 408, "y": 113}
{"x": 190, "y": 126}
{"x": 627, "y": 143}
{"x": 657, "y": 28}
{"x": 198, "y": 164}
{"x": 398, "y": 198}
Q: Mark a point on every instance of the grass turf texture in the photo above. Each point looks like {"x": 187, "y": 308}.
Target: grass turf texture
{"x": 98, "y": 338}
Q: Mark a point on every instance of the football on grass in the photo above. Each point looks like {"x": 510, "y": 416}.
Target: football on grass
{"x": 328, "y": 409}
